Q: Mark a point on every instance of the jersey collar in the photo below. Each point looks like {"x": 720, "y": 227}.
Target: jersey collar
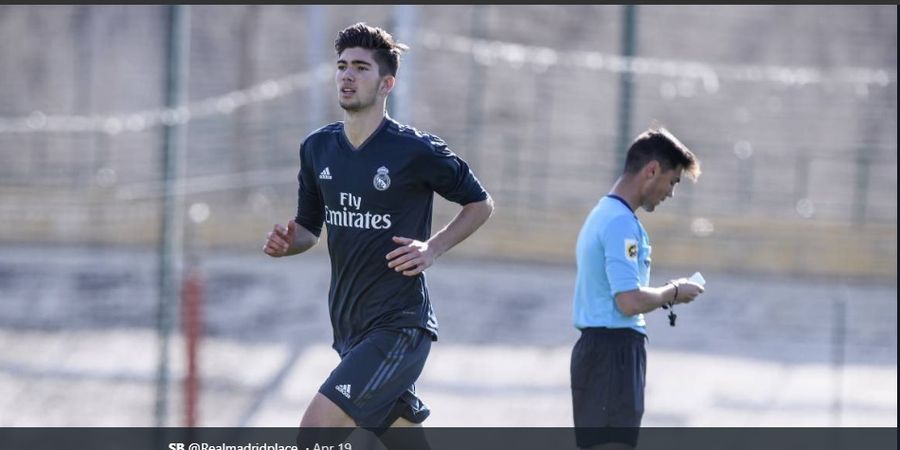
{"x": 346, "y": 142}
{"x": 614, "y": 196}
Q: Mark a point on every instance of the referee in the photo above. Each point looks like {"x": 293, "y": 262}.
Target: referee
{"x": 612, "y": 293}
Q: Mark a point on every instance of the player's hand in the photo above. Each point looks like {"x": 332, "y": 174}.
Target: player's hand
{"x": 412, "y": 258}
{"x": 279, "y": 240}
{"x": 687, "y": 290}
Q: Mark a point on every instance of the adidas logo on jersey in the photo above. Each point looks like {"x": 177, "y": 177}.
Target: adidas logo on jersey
{"x": 343, "y": 389}
{"x": 325, "y": 175}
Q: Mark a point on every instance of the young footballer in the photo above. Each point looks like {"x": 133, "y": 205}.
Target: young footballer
{"x": 371, "y": 181}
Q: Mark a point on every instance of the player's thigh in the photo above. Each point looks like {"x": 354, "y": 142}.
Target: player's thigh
{"x": 322, "y": 412}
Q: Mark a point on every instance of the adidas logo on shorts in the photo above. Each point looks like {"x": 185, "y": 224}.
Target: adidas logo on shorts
{"x": 343, "y": 389}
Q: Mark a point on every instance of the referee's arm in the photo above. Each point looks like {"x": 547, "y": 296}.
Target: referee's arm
{"x": 646, "y": 299}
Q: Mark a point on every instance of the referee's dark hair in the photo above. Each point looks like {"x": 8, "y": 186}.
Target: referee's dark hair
{"x": 659, "y": 144}
{"x": 385, "y": 50}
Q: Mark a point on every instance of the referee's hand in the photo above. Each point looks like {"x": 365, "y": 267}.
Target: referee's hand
{"x": 687, "y": 290}
{"x": 279, "y": 240}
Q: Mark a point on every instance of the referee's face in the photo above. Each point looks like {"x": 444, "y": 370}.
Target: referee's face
{"x": 357, "y": 79}
{"x": 659, "y": 187}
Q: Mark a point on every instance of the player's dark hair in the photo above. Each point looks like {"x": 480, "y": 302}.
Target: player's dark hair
{"x": 385, "y": 50}
{"x": 660, "y": 145}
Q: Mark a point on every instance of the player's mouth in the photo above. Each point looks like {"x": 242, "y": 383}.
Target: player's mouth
{"x": 347, "y": 92}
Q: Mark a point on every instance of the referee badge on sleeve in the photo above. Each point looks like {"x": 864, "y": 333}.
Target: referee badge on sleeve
{"x": 631, "y": 250}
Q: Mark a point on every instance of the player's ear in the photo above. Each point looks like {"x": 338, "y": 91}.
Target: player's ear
{"x": 387, "y": 84}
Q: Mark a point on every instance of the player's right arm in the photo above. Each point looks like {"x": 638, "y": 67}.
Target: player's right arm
{"x": 289, "y": 240}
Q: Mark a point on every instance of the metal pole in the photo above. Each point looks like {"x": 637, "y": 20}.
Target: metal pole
{"x": 244, "y": 153}
{"x": 801, "y": 176}
{"x": 540, "y": 140}
{"x": 475, "y": 94}
{"x": 174, "y": 148}
{"x": 316, "y": 55}
{"x": 629, "y": 26}
{"x": 861, "y": 188}
{"x": 871, "y": 129}
{"x": 192, "y": 329}
{"x": 838, "y": 342}
{"x": 400, "y": 105}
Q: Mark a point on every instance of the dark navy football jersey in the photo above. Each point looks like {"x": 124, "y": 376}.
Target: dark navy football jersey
{"x": 366, "y": 196}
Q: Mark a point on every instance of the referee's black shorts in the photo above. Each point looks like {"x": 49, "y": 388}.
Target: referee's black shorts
{"x": 608, "y": 370}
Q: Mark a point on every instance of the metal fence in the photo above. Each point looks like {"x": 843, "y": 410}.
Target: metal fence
{"x": 794, "y": 120}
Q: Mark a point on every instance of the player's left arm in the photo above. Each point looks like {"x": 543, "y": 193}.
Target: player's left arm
{"x": 413, "y": 256}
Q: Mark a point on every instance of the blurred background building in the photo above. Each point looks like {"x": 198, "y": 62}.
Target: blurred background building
{"x": 791, "y": 109}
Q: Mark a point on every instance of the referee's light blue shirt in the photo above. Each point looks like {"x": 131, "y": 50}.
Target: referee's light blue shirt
{"x": 613, "y": 256}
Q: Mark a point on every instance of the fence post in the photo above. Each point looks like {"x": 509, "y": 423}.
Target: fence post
{"x": 626, "y": 81}
{"x": 192, "y": 327}
{"x": 475, "y": 94}
{"x": 861, "y": 188}
{"x": 406, "y": 22}
{"x": 174, "y": 149}
{"x": 315, "y": 56}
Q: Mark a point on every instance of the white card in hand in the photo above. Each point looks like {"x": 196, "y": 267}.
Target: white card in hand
{"x": 697, "y": 278}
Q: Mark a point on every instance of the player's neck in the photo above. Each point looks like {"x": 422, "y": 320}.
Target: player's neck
{"x": 359, "y": 125}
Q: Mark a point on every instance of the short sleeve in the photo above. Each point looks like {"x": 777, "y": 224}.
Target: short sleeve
{"x": 450, "y": 176}
{"x": 621, "y": 244}
{"x": 310, "y": 210}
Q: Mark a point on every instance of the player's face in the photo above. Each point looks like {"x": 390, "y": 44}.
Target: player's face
{"x": 659, "y": 187}
{"x": 357, "y": 79}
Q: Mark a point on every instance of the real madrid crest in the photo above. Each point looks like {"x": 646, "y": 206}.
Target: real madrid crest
{"x": 382, "y": 181}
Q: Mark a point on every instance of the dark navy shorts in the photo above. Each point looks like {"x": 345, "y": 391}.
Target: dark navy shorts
{"x": 608, "y": 369}
{"x": 374, "y": 383}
